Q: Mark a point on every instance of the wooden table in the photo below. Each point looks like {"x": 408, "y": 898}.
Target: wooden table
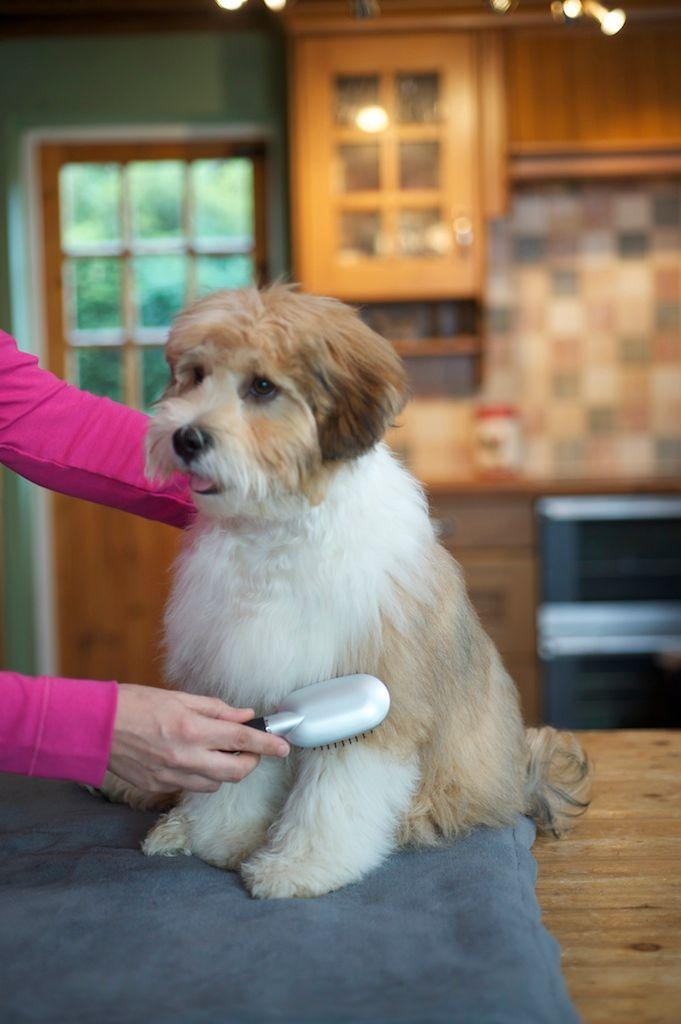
{"x": 611, "y": 891}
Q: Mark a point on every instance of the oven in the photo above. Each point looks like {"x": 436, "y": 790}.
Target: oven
{"x": 609, "y": 622}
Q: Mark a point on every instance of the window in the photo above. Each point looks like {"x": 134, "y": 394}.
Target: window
{"x": 132, "y": 234}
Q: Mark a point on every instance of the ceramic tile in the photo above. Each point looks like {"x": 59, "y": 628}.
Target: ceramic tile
{"x": 600, "y": 384}
{"x": 565, "y": 317}
{"x": 566, "y": 385}
{"x": 667, "y": 208}
{"x": 635, "y": 349}
{"x": 529, "y": 248}
{"x": 530, "y": 213}
{"x": 596, "y": 246}
{"x": 632, "y": 211}
{"x": 585, "y": 324}
{"x": 632, "y": 244}
{"x": 564, "y": 282}
{"x": 668, "y": 316}
{"x": 602, "y": 420}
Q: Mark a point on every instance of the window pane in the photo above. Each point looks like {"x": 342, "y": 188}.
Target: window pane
{"x": 155, "y": 375}
{"x": 223, "y": 200}
{"x": 360, "y": 234}
{"x": 95, "y": 299}
{"x": 422, "y": 233}
{"x": 100, "y": 370}
{"x": 353, "y": 92}
{"x": 160, "y": 288}
{"x": 90, "y": 197}
{"x": 156, "y": 197}
{"x": 215, "y": 272}
{"x": 418, "y": 98}
{"x": 419, "y": 165}
{"x": 358, "y": 168}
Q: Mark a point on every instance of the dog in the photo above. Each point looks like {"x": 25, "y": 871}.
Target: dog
{"x": 313, "y": 556}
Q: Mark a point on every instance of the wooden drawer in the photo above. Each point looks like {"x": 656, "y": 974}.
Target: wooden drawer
{"x": 525, "y": 674}
{"x": 484, "y": 523}
{"x": 503, "y": 592}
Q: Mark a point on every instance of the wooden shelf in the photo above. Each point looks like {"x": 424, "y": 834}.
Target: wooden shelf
{"x": 462, "y": 345}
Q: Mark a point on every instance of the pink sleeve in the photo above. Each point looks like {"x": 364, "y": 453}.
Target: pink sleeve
{"x": 79, "y": 444}
{"x": 56, "y": 728}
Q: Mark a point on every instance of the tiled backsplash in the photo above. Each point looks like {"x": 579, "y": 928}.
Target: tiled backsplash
{"x": 583, "y": 334}
{"x": 584, "y": 329}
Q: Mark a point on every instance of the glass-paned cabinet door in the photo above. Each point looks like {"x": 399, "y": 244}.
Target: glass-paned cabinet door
{"x": 385, "y": 179}
{"x": 139, "y": 238}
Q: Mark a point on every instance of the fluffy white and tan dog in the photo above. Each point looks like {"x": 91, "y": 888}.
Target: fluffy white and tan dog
{"x": 313, "y": 556}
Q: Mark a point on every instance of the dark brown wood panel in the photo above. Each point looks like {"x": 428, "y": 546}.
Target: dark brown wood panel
{"x": 487, "y": 522}
{"x": 579, "y": 86}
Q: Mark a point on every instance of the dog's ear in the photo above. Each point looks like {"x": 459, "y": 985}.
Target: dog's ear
{"x": 359, "y": 386}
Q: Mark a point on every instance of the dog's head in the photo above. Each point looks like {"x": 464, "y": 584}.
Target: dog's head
{"x": 271, "y": 391}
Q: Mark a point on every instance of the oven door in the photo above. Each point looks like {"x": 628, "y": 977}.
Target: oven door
{"x": 610, "y": 548}
{"x": 611, "y": 666}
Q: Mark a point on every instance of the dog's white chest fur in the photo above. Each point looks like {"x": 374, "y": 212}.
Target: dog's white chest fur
{"x": 259, "y": 609}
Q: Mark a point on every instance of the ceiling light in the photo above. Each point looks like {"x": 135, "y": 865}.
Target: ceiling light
{"x": 230, "y": 5}
{"x": 502, "y": 6}
{"x": 610, "y": 21}
{"x": 275, "y": 5}
{"x": 572, "y": 8}
{"x": 613, "y": 21}
{"x": 372, "y": 119}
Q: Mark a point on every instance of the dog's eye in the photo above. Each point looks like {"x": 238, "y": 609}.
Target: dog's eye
{"x": 198, "y": 374}
{"x": 261, "y": 387}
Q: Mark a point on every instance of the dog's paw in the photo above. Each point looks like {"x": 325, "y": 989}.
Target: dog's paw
{"x": 168, "y": 838}
{"x": 271, "y": 877}
{"x": 117, "y": 791}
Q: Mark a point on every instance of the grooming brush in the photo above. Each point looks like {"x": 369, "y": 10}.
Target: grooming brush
{"x": 336, "y": 711}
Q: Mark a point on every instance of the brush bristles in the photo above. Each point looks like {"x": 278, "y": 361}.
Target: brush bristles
{"x": 344, "y": 743}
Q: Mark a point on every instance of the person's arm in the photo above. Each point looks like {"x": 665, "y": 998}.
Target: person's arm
{"x": 161, "y": 741}
{"x": 56, "y": 728}
{"x": 79, "y": 444}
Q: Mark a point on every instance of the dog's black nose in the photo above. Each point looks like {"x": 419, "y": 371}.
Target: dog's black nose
{"x": 189, "y": 442}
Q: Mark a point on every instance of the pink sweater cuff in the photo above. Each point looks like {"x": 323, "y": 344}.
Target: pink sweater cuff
{"x": 56, "y": 728}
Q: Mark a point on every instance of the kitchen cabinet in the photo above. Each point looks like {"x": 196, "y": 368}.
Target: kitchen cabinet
{"x": 573, "y": 90}
{"x": 492, "y": 538}
{"x": 386, "y": 138}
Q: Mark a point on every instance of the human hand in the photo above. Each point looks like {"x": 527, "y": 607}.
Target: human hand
{"x": 165, "y": 741}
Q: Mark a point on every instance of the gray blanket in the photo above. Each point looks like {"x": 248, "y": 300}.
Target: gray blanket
{"x": 93, "y": 932}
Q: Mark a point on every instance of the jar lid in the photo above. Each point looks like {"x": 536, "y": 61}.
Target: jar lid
{"x": 496, "y": 410}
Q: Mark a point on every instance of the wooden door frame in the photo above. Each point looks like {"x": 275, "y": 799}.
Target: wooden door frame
{"x": 32, "y": 315}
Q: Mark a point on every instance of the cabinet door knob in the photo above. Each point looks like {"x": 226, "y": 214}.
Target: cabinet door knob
{"x": 463, "y": 231}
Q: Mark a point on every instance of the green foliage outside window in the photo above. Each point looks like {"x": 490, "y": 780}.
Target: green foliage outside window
{"x": 127, "y": 280}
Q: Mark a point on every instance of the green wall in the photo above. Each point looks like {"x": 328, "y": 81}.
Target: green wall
{"x": 196, "y": 78}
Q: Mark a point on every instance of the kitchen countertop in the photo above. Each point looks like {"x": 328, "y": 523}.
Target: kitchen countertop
{"x": 611, "y": 891}
{"x": 536, "y": 486}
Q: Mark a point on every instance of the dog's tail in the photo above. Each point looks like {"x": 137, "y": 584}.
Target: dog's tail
{"x": 558, "y": 780}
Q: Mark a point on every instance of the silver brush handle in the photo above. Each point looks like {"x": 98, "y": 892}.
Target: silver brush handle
{"x": 328, "y": 712}
{"x": 278, "y": 723}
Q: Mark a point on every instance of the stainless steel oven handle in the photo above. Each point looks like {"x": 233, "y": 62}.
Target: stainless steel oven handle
{"x": 584, "y": 646}
{"x": 654, "y": 507}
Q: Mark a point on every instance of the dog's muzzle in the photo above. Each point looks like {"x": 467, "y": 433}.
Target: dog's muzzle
{"x": 190, "y": 442}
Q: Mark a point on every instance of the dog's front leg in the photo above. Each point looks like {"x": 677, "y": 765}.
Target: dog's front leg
{"x": 225, "y": 827}
{"x": 338, "y": 822}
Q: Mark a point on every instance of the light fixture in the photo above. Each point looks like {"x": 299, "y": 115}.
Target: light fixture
{"x": 235, "y": 5}
{"x": 572, "y": 8}
{"x": 610, "y": 21}
{"x": 372, "y": 119}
